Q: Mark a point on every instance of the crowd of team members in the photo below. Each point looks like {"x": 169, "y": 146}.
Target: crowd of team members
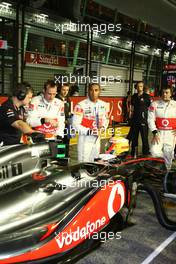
{"x": 157, "y": 115}
{"x": 50, "y": 113}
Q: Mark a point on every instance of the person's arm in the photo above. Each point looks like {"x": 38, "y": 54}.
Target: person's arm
{"x": 106, "y": 118}
{"x": 152, "y": 125}
{"x": 149, "y": 101}
{"x": 22, "y": 126}
{"x": 11, "y": 118}
{"x": 131, "y": 106}
{"x": 61, "y": 120}
{"x": 77, "y": 120}
{"x": 34, "y": 117}
{"x": 128, "y": 104}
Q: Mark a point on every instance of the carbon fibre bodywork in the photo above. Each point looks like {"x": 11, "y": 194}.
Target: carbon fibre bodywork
{"x": 51, "y": 213}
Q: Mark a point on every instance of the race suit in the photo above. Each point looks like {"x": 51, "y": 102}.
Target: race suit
{"x": 40, "y": 108}
{"x": 89, "y": 116}
{"x": 162, "y": 118}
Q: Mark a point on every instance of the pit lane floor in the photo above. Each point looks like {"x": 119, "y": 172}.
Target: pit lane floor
{"x": 138, "y": 241}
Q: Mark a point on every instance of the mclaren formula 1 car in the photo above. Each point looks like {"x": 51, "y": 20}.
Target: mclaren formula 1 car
{"x": 50, "y": 213}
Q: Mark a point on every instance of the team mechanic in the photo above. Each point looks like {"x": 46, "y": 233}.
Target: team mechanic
{"x": 46, "y": 113}
{"x": 140, "y": 102}
{"x": 63, "y": 95}
{"x": 162, "y": 123}
{"x": 12, "y": 115}
{"x": 90, "y": 115}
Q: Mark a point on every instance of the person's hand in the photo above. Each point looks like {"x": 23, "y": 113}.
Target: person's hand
{"x": 155, "y": 139}
{"x": 37, "y": 137}
{"x": 52, "y": 121}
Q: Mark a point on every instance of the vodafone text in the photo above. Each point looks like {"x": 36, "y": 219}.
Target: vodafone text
{"x": 87, "y": 231}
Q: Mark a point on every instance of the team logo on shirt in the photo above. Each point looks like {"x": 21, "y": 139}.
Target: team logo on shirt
{"x": 165, "y": 122}
{"x": 10, "y": 112}
{"x": 78, "y": 110}
{"x": 151, "y": 108}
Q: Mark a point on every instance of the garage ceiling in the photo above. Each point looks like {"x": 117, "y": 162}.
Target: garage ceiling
{"x": 158, "y": 13}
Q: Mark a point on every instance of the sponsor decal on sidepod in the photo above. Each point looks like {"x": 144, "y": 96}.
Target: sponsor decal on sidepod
{"x": 90, "y": 227}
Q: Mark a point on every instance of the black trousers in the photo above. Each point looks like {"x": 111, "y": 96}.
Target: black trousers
{"x": 143, "y": 129}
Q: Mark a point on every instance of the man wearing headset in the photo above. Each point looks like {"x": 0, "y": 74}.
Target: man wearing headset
{"x": 46, "y": 113}
{"x": 12, "y": 115}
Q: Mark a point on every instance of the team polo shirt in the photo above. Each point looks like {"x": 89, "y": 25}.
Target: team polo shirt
{"x": 8, "y": 114}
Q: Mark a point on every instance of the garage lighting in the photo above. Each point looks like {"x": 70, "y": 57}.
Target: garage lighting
{"x": 156, "y": 51}
{"x": 6, "y": 4}
{"x": 5, "y": 8}
{"x": 95, "y": 33}
{"x": 166, "y": 54}
{"x": 170, "y": 44}
{"x": 115, "y": 39}
{"x": 73, "y": 26}
{"x": 129, "y": 43}
{"x": 174, "y": 57}
{"x": 145, "y": 47}
{"x": 41, "y": 18}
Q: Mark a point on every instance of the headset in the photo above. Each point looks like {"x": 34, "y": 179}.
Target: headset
{"x": 22, "y": 90}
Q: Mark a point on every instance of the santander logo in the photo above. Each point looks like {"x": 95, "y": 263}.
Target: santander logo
{"x": 116, "y": 189}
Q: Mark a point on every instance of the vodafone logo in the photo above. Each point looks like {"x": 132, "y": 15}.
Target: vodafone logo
{"x": 47, "y": 125}
{"x": 80, "y": 233}
{"x": 94, "y": 124}
{"x": 165, "y": 122}
{"x": 117, "y": 189}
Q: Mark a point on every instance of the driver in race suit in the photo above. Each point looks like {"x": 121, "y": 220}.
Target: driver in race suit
{"x": 89, "y": 119}
{"x": 46, "y": 113}
{"x": 162, "y": 123}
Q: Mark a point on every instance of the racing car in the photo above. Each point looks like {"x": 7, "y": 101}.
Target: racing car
{"x": 50, "y": 213}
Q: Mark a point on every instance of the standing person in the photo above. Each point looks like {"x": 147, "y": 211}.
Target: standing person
{"x": 140, "y": 102}
{"x": 147, "y": 90}
{"x": 74, "y": 89}
{"x": 12, "y": 115}
{"x": 89, "y": 116}
{"x": 46, "y": 113}
{"x": 63, "y": 91}
{"x": 162, "y": 123}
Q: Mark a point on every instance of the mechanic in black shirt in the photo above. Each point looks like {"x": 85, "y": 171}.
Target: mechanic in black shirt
{"x": 12, "y": 115}
{"x": 63, "y": 94}
{"x": 140, "y": 103}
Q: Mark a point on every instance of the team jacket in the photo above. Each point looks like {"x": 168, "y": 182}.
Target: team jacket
{"x": 162, "y": 115}
{"x": 140, "y": 106}
{"x": 39, "y": 108}
{"x": 89, "y": 115}
{"x": 8, "y": 115}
